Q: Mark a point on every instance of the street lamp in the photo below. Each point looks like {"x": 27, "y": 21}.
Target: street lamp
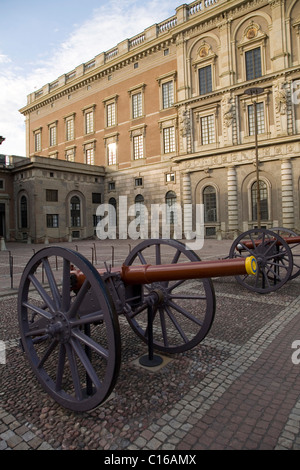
{"x": 2, "y": 139}
{"x": 255, "y": 92}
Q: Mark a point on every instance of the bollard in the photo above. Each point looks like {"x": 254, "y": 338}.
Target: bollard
{"x": 2, "y": 244}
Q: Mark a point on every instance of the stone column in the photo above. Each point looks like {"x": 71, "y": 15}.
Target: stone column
{"x": 233, "y": 219}
{"x": 287, "y": 194}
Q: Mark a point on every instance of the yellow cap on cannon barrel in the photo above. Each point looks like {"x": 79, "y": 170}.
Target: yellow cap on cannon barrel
{"x": 251, "y": 265}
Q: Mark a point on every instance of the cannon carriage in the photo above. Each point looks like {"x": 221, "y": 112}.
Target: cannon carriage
{"x": 69, "y": 313}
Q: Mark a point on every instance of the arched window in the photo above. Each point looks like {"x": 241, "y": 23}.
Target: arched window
{"x": 171, "y": 207}
{"x": 75, "y": 212}
{"x": 264, "y": 213}
{"x": 210, "y": 204}
{"x": 24, "y": 212}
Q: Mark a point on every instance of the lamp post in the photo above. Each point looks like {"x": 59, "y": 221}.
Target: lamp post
{"x": 255, "y": 92}
{"x": 2, "y": 139}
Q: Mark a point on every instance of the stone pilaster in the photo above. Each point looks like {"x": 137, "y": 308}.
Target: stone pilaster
{"x": 233, "y": 220}
{"x": 287, "y": 194}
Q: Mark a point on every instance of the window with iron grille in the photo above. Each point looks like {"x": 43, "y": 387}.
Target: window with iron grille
{"x": 51, "y": 195}
{"x": 260, "y": 115}
{"x": 112, "y": 153}
{"x": 205, "y": 80}
{"x": 111, "y": 115}
{"x": 37, "y": 141}
{"x": 169, "y": 139}
{"x": 52, "y": 135}
{"x": 52, "y": 221}
{"x": 208, "y": 130}
{"x": 90, "y": 156}
{"x": 89, "y": 122}
{"x": 253, "y": 64}
{"x": 138, "y": 147}
{"x": 70, "y": 129}
{"x": 210, "y": 204}
{"x": 168, "y": 94}
{"x": 137, "y": 108}
{"x": 263, "y": 190}
{"x": 75, "y": 212}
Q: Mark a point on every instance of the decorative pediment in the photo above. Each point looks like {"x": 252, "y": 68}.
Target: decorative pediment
{"x": 252, "y": 34}
{"x": 204, "y": 54}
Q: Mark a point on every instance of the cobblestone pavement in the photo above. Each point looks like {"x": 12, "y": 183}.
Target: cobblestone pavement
{"x": 238, "y": 389}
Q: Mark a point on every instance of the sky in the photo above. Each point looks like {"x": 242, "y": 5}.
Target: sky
{"x": 39, "y": 41}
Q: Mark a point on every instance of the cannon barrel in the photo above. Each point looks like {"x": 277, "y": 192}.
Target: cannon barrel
{"x": 148, "y": 273}
{"x": 252, "y": 244}
{"x": 145, "y": 274}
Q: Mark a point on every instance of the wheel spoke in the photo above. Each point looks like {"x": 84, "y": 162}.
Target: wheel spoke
{"x": 86, "y": 363}
{"x": 74, "y": 371}
{"x": 184, "y": 312}
{"x": 177, "y": 326}
{"x": 79, "y": 299}
{"x": 38, "y": 310}
{"x": 52, "y": 283}
{"x": 47, "y": 353}
{"x": 66, "y": 285}
{"x": 46, "y": 298}
{"x": 90, "y": 343}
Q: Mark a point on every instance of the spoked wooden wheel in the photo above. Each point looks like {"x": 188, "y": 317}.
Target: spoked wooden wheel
{"x": 274, "y": 260}
{"x": 288, "y": 234}
{"x": 72, "y": 341}
{"x": 185, "y": 311}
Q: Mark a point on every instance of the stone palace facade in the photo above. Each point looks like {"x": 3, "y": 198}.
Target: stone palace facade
{"x": 170, "y": 116}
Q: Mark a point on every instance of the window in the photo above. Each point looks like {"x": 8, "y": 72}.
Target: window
{"x": 137, "y": 107}
{"x": 168, "y": 94}
{"x": 253, "y": 64}
{"x": 111, "y": 186}
{"x": 96, "y": 198}
{"x": 264, "y": 214}
{"x": 205, "y": 80}
{"x": 138, "y": 147}
{"x": 75, "y": 212}
{"x": 171, "y": 207}
{"x": 170, "y": 177}
{"x": 70, "y": 128}
{"x": 140, "y": 208}
{"x": 38, "y": 141}
{"x": 111, "y": 115}
{"x": 1, "y": 184}
{"x": 112, "y": 153}
{"x": 51, "y": 195}
{"x": 89, "y": 122}
{"x": 138, "y": 182}
{"x": 208, "y": 129}
{"x": 260, "y": 115}
{"x": 169, "y": 139}
{"x": 52, "y": 135}
{"x": 70, "y": 155}
{"x": 89, "y": 153}
{"x": 23, "y": 212}
{"x": 210, "y": 204}
{"x": 52, "y": 220}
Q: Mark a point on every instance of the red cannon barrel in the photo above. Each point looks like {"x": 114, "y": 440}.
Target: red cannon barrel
{"x": 146, "y": 274}
{"x": 252, "y": 244}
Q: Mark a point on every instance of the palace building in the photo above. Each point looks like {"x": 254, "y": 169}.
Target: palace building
{"x": 203, "y": 108}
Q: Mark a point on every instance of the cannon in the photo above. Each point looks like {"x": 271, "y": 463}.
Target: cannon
{"x": 276, "y": 252}
{"x": 69, "y": 313}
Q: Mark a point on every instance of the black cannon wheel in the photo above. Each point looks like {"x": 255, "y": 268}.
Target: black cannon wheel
{"x": 72, "y": 341}
{"x": 295, "y": 247}
{"x": 185, "y": 312}
{"x": 274, "y": 260}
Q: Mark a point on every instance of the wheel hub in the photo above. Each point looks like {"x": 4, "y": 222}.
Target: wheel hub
{"x": 59, "y": 328}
